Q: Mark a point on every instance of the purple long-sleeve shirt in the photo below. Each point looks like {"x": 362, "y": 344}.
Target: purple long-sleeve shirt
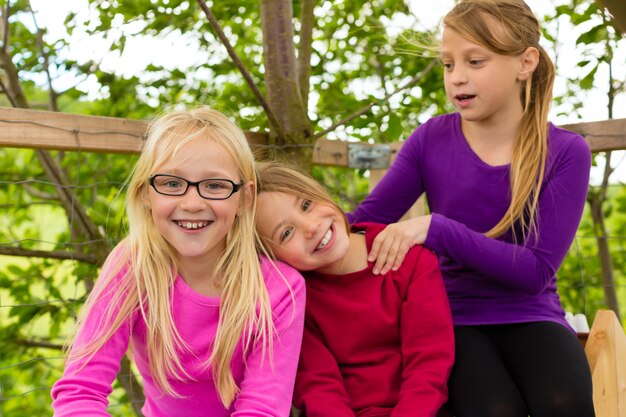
{"x": 489, "y": 281}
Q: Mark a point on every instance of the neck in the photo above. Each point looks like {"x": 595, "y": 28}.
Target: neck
{"x": 493, "y": 140}
{"x": 198, "y": 274}
{"x": 354, "y": 260}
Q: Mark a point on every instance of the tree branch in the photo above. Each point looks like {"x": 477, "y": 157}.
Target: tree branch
{"x": 8, "y": 93}
{"x": 46, "y": 64}
{"x": 39, "y": 194}
{"x": 608, "y": 170}
{"x": 617, "y": 8}
{"x": 367, "y": 108}
{"x": 32, "y": 253}
{"x": 39, "y": 344}
{"x": 275, "y": 126}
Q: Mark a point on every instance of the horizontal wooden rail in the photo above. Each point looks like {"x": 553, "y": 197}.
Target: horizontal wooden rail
{"x": 604, "y": 135}
{"x": 38, "y": 129}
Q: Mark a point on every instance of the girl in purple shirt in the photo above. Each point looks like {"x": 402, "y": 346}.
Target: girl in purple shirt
{"x": 215, "y": 329}
{"x": 506, "y": 190}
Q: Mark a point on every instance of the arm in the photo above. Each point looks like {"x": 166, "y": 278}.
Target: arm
{"x": 85, "y": 385}
{"x": 320, "y": 391}
{"x": 399, "y": 188}
{"x": 392, "y": 197}
{"x": 427, "y": 341}
{"x": 530, "y": 267}
{"x": 267, "y": 387}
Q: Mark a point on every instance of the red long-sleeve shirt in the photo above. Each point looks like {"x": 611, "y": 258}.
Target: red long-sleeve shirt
{"x": 376, "y": 345}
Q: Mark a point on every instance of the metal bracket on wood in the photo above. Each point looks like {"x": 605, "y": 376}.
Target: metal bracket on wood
{"x": 366, "y": 156}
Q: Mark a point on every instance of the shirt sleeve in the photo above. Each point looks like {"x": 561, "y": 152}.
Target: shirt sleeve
{"x": 320, "y": 390}
{"x": 86, "y": 384}
{"x": 427, "y": 341}
{"x": 267, "y": 386}
{"x": 527, "y": 267}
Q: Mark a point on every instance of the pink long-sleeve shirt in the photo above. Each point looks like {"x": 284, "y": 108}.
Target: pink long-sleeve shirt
{"x": 266, "y": 386}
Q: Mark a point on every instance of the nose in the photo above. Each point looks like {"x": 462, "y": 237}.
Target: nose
{"x": 310, "y": 227}
{"x": 192, "y": 201}
{"x": 457, "y": 75}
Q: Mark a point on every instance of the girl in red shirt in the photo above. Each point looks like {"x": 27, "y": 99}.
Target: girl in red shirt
{"x": 373, "y": 345}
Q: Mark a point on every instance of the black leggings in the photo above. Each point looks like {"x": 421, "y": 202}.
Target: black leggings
{"x": 518, "y": 370}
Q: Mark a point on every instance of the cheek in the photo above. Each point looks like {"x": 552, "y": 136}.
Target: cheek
{"x": 159, "y": 209}
{"x": 227, "y": 209}
{"x": 289, "y": 255}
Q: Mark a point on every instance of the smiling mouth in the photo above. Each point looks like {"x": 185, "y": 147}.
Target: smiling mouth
{"x": 325, "y": 239}
{"x": 192, "y": 225}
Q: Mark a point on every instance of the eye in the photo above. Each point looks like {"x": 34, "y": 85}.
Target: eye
{"x": 215, "y": 185}
{"x": 285, "y": 234}
{"x": 172, "y": 183}
{"x": 306, "y": 205}
{"x": 476, "y": 62}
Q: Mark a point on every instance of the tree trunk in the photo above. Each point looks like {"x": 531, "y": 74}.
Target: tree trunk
{"x": 606, "y": 264}
{"x": 281, "y": 80}
{"x": 596, "y": 199}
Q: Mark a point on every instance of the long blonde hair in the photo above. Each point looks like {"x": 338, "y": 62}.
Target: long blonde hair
{"x": 146, "y": 288}
{"x": 281, "y": 177}
{"x": 521, "y": 30}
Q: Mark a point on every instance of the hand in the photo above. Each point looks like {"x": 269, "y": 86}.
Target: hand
{"x": 392, "y": 244}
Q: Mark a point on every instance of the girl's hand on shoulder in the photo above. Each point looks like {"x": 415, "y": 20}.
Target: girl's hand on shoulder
{"x": 392, "y": 244}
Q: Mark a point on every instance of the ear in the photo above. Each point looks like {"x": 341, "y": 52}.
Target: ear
{"x": 528, "y": 62}
{"x": 145, "y": 198}
{"x": 249, "y": 193}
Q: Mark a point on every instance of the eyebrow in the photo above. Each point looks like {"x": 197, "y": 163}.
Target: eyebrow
{"x": 281, "y": 224}
{"x": 467, "y": 51}
{"x": 206, "y": 175}
{"x": 276, "y": 229}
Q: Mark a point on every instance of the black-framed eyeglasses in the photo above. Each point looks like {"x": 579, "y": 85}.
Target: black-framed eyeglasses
{"x": 211, "y": 188}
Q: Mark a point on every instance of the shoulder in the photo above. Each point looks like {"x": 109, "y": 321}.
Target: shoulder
{"x": 563, "y": 143}
{"x": 370, "y": 229}
{"x": 281, "y": 278}
{"x": 443, "y": 123}
{"x": 438, "y": 131}
{"x": 116, "y": 266}
{"x": 419, "y": 256}
{"x": 286, "y": 290}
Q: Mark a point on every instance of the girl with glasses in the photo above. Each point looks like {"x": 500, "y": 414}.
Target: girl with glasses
{"x": 215, "y": 329}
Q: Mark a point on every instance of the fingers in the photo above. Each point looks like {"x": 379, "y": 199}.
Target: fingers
{"x": 388, "y": 250}
{"x": 395, "y": 255}
{"x": 392, "y": 244}
{"x": 387, "y": 253}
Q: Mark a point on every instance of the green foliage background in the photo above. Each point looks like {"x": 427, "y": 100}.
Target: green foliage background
{"x": 39, "y": 298}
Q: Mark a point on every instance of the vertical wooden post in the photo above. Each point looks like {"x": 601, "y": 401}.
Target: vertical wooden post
{"x": 606, "y": 353}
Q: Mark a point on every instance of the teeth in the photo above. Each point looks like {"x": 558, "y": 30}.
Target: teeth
{"x": 325, "y": 239}
{"x": 192, "y": 225}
